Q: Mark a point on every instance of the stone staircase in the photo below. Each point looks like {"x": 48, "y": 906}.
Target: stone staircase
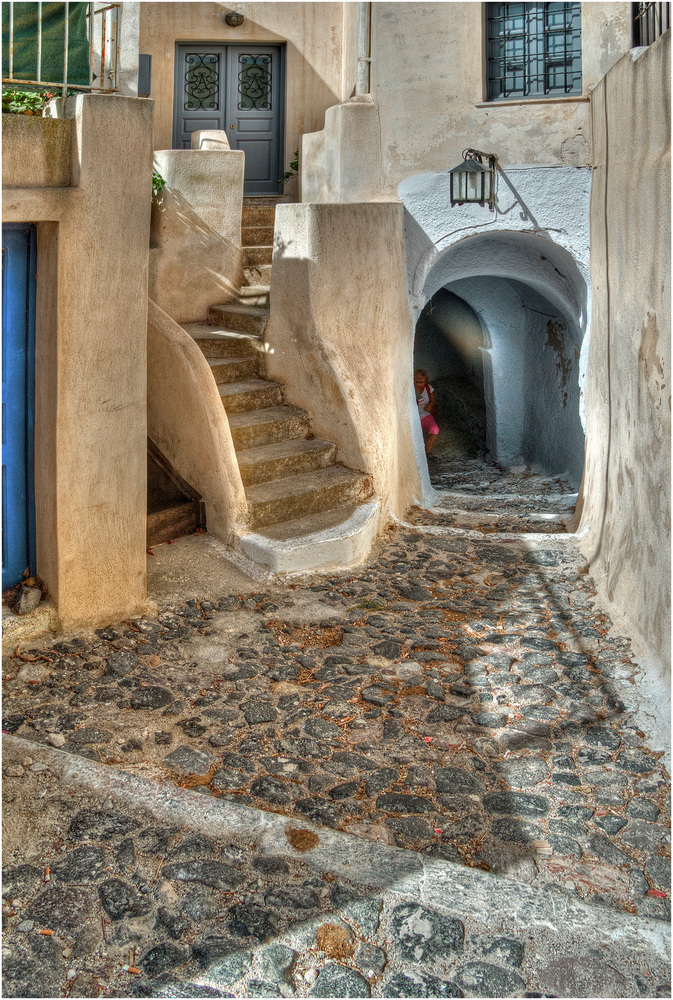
{"x": 257, "y": 241}
{"x": 293, "y": 484}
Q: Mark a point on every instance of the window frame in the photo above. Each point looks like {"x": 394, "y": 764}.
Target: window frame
{"x": 536, "y": 67}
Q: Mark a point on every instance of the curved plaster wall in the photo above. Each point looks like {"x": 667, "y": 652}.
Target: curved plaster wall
{"x": 340, "y": 337}
{"x": 186, "y": 419}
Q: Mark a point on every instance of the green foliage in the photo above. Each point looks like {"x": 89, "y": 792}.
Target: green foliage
{"x": 371, "y": 605}
{"x": 294, "y": 168}
{"x": 25, "y": 102}
{"x": 157, "y": 183}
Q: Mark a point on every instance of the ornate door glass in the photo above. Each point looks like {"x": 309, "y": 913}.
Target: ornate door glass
{"x": 202, "y": 81}
{"x": 254, "y": 82}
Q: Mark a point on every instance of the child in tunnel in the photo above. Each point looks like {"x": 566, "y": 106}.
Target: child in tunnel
{"x": 427, "y": 408}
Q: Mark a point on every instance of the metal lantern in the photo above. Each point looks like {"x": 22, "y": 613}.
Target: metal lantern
{"x": 234, "y": 18}
{"x": 471, "y": 181}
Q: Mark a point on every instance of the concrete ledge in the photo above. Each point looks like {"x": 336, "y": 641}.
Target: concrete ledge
{"x": 345, "y": 544}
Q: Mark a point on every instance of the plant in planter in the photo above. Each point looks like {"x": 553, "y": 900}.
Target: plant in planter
{"x": 25, "y": 102}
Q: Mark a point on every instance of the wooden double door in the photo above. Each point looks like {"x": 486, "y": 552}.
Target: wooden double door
{"x": 239, "y": 89}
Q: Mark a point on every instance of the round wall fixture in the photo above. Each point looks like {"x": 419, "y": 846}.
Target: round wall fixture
{"x": 233, "y": 19}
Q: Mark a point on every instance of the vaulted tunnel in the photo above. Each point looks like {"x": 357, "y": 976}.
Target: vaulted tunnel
{"x": 519, "y": 302}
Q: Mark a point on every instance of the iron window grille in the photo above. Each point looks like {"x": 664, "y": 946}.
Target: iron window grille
{"x": 534, "y": 50}
{"x": 650, "y": 20}
{"x": 65, "y": 46}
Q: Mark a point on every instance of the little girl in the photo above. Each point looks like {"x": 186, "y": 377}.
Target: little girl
{"x": 425, "y": 397}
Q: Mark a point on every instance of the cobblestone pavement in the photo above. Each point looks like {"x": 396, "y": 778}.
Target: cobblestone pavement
{"x": 458, "y": 698}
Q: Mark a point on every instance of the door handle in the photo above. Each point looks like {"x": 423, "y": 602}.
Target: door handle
{"x": 232, "y": 126}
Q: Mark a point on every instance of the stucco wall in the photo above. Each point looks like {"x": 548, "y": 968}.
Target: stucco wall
{"x": 187, "y": 421}
{"x": 91, "y": 328}
{"x": 340, "y": 336}
{"x": 312, "y": 33}
{"x": 196, "y": 260}
{"x": 428, "y": 82}
{"x": 626, "y": 489}
{"x": 35, "y": 152}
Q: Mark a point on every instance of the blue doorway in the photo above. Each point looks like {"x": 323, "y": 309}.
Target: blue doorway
{"x": 19, "y": 269}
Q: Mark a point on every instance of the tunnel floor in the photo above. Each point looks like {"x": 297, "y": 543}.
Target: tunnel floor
{"x": 459, "y": 698}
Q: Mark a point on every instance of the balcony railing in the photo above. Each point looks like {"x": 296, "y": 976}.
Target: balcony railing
{"x": 650, "y": 20}
{"x": 24, "y": 49}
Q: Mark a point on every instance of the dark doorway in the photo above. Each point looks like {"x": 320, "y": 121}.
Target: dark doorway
{"x": 448, "y": 345}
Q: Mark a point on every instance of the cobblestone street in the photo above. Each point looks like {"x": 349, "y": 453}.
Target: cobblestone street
{"x": 427, "y": 777}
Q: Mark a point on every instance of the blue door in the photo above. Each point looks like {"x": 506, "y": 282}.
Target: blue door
{"x": 19, "y": 257}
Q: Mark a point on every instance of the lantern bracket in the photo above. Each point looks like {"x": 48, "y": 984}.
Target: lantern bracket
{"x": 484, "y": 164}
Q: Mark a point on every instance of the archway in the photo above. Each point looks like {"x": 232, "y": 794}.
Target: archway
{"x": 531, "y": 301}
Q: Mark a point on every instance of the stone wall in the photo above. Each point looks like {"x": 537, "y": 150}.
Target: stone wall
{"x": 625, "y": 499}
{"x": 91, "y": 334}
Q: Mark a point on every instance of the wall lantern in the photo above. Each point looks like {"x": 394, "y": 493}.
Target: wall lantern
{"x": 233, "y": 19}
{"x": 472, "y": 181}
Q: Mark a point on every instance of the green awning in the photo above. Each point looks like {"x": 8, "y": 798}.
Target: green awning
{"x": 53, "y": 39}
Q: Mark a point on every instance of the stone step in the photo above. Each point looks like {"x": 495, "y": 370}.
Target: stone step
{"x": 218, "y": 342}
{"x": 253, "y": 295}
{"x": 258, "y": 255}
{"x": 285, "y": 458}
{"x": 256, "y": 236}
{"x": 258, "y": 215}
{"x": 228, "y": 370}
{"x": 259, "y": 427}
{"x": 260, "y": 275}
{"x": 241, "y": 319}
{"x": 262, "y": 200}
{"x": 257, "y": 394}
{"x": 297, "y": 496}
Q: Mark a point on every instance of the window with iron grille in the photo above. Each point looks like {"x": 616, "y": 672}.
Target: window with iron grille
{"x": 534, "y": 50}
{"x": 650, "y": 20}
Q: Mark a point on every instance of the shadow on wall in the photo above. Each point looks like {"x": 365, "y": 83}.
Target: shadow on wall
{"x": 191, "y": 266}
{"x": 448, "y": 345}
{"x": 313, "y": 383}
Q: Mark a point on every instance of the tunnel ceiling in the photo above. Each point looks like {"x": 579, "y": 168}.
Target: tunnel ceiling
{"x": 524, "y": 257}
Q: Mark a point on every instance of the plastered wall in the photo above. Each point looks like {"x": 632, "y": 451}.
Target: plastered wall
{"x": 340, "y": 336}
{"x": 312, "y": 33}
{"x": 625, "y": 499}
{"x": 91, "y": 330}
{"x": 428, "y": 85}
{"x": 428, "y": 80}
{"x": 195, "y": 261}
{"x": 187, "y": 421}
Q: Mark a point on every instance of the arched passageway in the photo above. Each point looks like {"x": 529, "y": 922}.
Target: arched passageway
{"x": 525, "y": 299}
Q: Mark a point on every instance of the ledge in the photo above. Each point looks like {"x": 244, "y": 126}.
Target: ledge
{"x": 567, "y": 99}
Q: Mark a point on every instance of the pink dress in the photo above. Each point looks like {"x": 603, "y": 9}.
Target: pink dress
{"x": 428, "y": 422}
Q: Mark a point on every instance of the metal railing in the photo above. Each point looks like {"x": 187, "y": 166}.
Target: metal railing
{"x": 103, "y": 38}
{"x": 650, "y": 20}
